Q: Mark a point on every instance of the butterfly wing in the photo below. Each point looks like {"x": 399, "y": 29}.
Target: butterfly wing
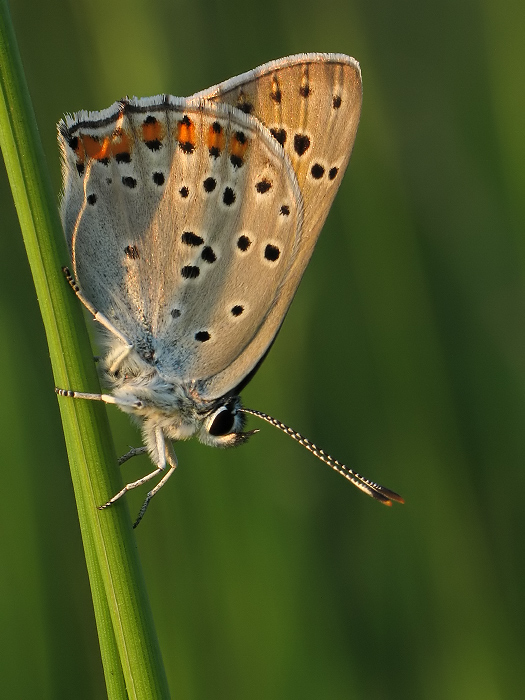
{"x": 311, "y": 104}
{"x": 183, "y": 220}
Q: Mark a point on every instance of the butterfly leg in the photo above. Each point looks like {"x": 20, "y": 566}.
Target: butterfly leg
{"x": 161, "y": 466}
{"x": 172, "y": 461}
{"x": 133, "y": 452}
{"x": 166, "y": 454}
{"x": 100, "y": 318}
{"x": 106, "y": 398}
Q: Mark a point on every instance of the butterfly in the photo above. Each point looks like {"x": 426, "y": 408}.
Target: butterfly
{"x": 190, "y": 222}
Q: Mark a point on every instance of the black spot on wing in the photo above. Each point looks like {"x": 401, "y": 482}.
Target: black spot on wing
{"x": 279, "y": 135}
{"x": 191, "y": 239}
{"x": 228, "y": 196}
{"x": 271, "y": 252}
{"x": 132, "y": 252}
{"x": 301, "y": 144}
{"x": 208, "y": 255}
{"x": 209, "y": 184}
{"x": 263, "y": 186}
{"x": 243, "y": 243}
{"x": 190, "y": 272}
{"x": 304, "y": 90}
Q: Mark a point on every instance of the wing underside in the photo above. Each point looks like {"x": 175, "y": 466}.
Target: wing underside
{"x": 191, "y": 221}
{"x": 182, "y": 223}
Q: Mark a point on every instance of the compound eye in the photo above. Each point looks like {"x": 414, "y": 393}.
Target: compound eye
{"x": 222, "y": 422}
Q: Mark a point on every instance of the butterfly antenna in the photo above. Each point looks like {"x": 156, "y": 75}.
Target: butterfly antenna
{"x": 380, "y": 493}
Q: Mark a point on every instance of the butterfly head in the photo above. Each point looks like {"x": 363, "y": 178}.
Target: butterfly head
{"x": 223, "y": 426}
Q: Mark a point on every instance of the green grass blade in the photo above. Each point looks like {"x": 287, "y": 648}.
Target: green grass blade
{"x": 129, "y": 647}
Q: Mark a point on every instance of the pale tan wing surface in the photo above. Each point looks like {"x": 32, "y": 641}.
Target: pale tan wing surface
{"x": 311, "y": 104}
{"x": 183, "y": 221}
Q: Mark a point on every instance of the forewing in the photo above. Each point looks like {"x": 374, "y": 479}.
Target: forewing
{"x": 311, "y": 104}
{"x": 182, "y": 221}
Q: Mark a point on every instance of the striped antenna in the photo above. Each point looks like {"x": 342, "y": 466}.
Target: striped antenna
{"x": 380, "y": 493}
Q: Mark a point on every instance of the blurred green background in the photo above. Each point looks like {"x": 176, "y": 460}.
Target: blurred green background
{"x": 403, "y": 354}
